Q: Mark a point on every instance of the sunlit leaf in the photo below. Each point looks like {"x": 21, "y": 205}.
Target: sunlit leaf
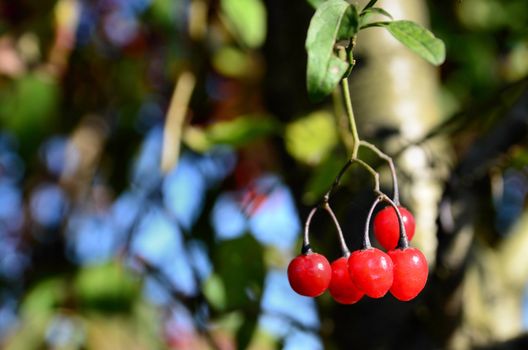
{"x": 231, "y": 62}
{"x": 247, "y": 19}
{"x": 105, "y": 288}
{"x": 334, "y": 20}
{"x": 311, "y": 138}
{"x": 419, "y": 40}
{"x": 236, "y": 132}
{"x": 214, "y": 291}
{"x": 30, "y": 105}
{"x": 44, "y": 297}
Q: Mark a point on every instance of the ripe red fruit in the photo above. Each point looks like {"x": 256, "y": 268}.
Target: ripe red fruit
{"x": 341, "y": 287}
{"x": 309, "y": 274}
{"x": 387, "y": 227}
{"x": 410, "y": 273}
{"x": 371, "y": 271}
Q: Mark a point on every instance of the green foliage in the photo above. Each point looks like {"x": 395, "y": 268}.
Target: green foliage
{"x": 106, "y": 288}
{"x": 236, "y": 132}
{"x": 321, "y": 178}
{"x": 315, "y": 3}
{"x": 247, "y": 19}
{"x": 44, "y": 297}
{"x": 30, "y": 105}
{"x": 214, "y": 290}
{"x": 365, "y": 15}
{"x": 334, "y": 20}
{"x": 310, "y": 139}
{"x": 232, "y": 62}
{"x": 242, "y": 273}
{"x": 161, "y": 12}
{"x": 418, "y": 39}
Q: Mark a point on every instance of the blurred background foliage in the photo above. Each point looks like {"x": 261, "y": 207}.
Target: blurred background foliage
{"x": 101, "y": 249}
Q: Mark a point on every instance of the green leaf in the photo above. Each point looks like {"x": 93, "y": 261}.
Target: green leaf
{"x": 237, "y": 132}
{"x": 333, "y": 20}
{"x": 214, "y": 291}
{"x": 44, "y": 297}
{"x": 241, "y": 277}
{"x": 106, "y": 288}
{"x": 315, "y": 3}
{"x": 349, "y": 25}
{"x": 240, "y": 131}
{"x": 311, "y": 138}
{"x": 418, "y": 39}
{"x": 376, "y": 11}
{"x": 30, "y": 106}
{"x": 365, "y": 18}
{"x": 232, "y": 62}
{"x": 247, "y": 19}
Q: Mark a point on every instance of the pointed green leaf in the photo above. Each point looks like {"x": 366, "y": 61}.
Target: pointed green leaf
{"x": 418, "y": 39}
{"x": 366, "y": 16}
{"x": 333, "y": 20}
{"x": 247, "y": 19}
{"x": 376, "y": 10}
{"x": 311, "y": 138}
{"x": 349, "y": 25}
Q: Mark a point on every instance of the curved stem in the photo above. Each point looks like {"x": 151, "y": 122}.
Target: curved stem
{"x": 351, "y": 119}
{"x": 366, "y": 237}
{"x": 382, "y": 155}
{"x": 344, "y": 248}
{"x": 403, "y": 241}
{"x": 374, "y": 174}
{"x": 306, "y": 248}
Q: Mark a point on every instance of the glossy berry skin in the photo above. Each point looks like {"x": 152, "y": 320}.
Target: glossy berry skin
{"x": 309, "y": 274}
{"x": 387, "y": 227}
{"x": 371, "y": 271}
{"x": 410, "y": 273}
{"x": 341, "y": 287}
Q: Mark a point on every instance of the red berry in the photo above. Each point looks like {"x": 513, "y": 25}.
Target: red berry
{"x": 341, "y": 287}
{"x": 371, "y": 271}
{"x": 309, "y": 274}
{"x": 387, "y": 227}
{"x": 410, "y": 273}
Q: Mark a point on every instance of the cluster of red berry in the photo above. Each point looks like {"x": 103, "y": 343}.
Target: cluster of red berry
{"x": 402, "y": 271}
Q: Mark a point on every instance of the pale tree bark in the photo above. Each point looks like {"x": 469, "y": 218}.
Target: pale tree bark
{"x": 394, "y": 93}
{"x": 474, "y": 293}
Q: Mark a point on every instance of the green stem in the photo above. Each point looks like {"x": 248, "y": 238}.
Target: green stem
{"x": 396, "y": 193}
{"x": 351, "y": 119}
{"x": 306, "y": 248}
{"x": 344, "y": 248}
